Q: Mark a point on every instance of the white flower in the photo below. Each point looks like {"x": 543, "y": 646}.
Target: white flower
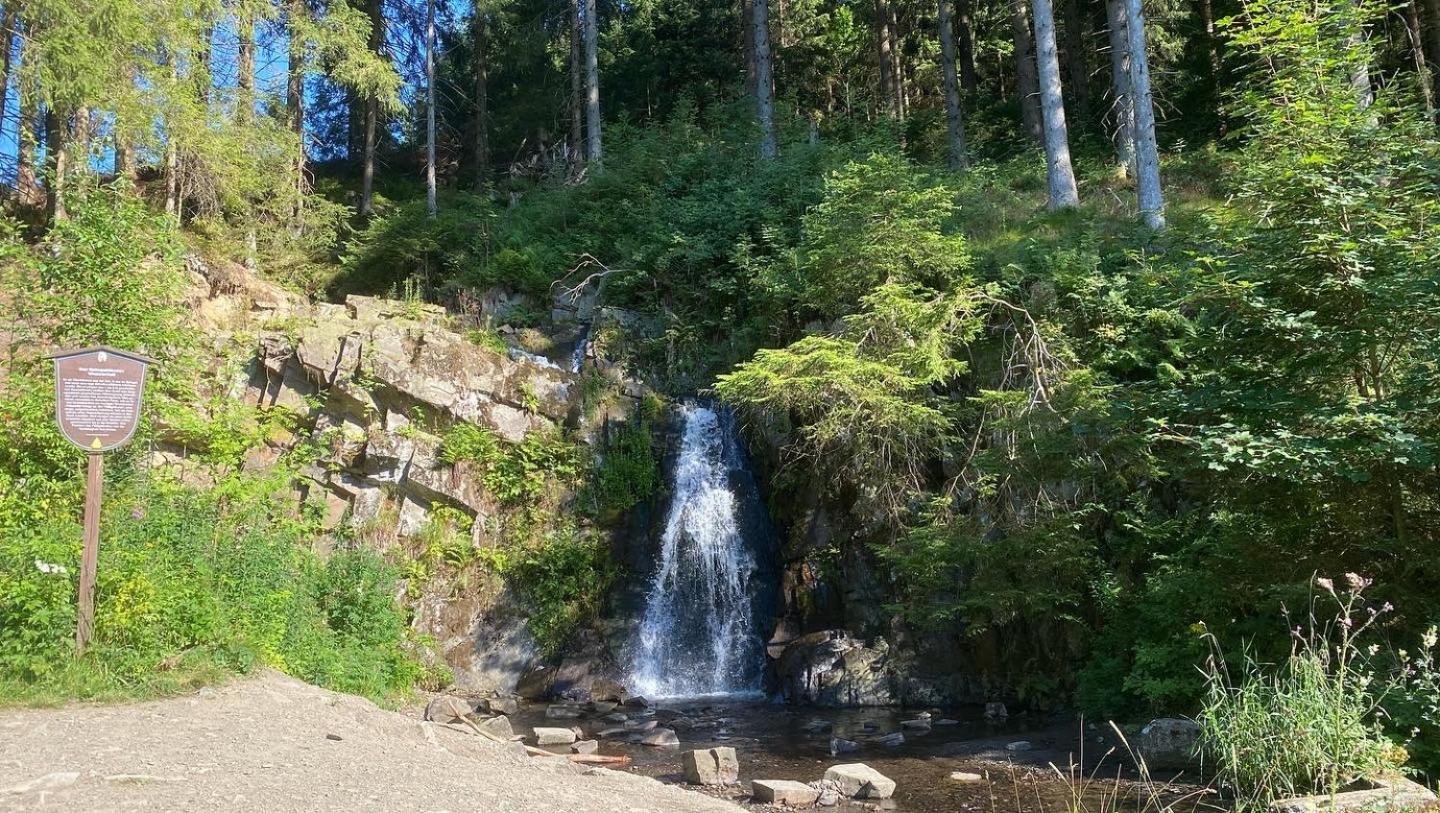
{"x": 46, "y": 567}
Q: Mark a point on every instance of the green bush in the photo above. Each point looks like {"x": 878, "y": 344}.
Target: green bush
{"x": 563, "y": 579}
{"x": 517, "y": 474}
{"x": 194, "y": 583}
{"x": 628, "y": 471}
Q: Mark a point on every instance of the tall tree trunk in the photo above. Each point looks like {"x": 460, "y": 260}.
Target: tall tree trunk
{"x": 1212, "y": 40}
{"x": 888, "y": 81}
{"x": 295, "y": 107}
{"x": 898, "y": 57}
{"x": 1360, "y": 72}
{"x": 592, "y": 82}
{"x": 954, "y": 122}
{"x": 7, "y": 35}
{"x": 1077, "y": 67}
{"x": 1417, "y": 51}
{"x": 482, "y": 104}
{"x": 747, "y": 37}
{"x": 1147, "y": 153}
{"x": 245, "y": 109}
{"x": 1123, "y": 106}
{"x": 375, "y": 10}
{"x": 27, "y": 131}
{"x": 1058, "y": 170}
{"x": 577, "y": 91}
{"x": 124, "y": 150}
{"x": 57, "y": 160}
{"x": 245, "y": 66}
{"x": 1432, "y": 28}
{"x": 965, "y": 32}
{"x": 27, "y": 144}
{"x": 431, "y": 204}
{"x": 1026, "y": 79}
{"x": 764, "y": 84}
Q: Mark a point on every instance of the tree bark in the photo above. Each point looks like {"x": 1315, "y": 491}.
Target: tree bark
{"x": 376, "y": 12}
{"x": 431, "y": 204}
{"x": 1417, "y": 51}
{"x": 7, "y": 33}
{"x": 888, "y": 81}
{"x": 954, "y": 120}
{"x": 1123, "y": 104}
{"x": 898, "y": 67}
{"x": 1360, "y": 72}
{"x": 1432, "y": 20}
{"x": 747, "y": 37}
{"x": 965, "y": 33}
{"x": 482, "y": 103}
{"x": 57, "y": 160}
{"x": 764, "y": 84}
{"x": 1147, "y": 153}
{"x": 1077, "y": 68}
{"x": 245, "y": 67}
{"x": 1059, "y": 172}
{"x": 295, "y": 106}
{"x": 1026, "y": 79}
{"x": 27, "y": 137}
{"x": 593, "y": 149}
{"x": 577, "y": 91}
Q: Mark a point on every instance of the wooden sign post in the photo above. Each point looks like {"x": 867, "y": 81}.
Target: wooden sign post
{"x": 98, "y": 393}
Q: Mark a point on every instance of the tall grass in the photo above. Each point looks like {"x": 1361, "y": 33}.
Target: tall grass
{"x": 1308, "y": 725}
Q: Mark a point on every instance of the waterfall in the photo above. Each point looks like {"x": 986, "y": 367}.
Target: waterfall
{"x": 700, "y": 633}
{"x": 577, "y": 357}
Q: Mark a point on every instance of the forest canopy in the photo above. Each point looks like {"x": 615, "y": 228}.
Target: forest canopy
{"x": 1105, "y": 324}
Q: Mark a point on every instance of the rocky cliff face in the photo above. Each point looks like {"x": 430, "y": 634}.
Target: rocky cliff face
{"x": 371, "y": 386}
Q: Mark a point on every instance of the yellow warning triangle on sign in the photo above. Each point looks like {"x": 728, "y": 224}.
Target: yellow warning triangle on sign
{"x": 96, "y": 444}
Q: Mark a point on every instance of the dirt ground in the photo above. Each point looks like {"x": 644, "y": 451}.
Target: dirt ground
{"x": 274, "y": 744}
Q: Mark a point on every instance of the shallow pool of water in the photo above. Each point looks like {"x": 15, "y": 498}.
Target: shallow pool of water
{"x": 786, "y": 742}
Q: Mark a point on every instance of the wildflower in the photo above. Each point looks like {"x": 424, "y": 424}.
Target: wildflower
{"x": 1356, "y": 581}
{"x": 1430, "y": 637}
{"x": 1325, "y": 584}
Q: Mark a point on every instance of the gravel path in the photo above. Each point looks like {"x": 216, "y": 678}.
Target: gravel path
{"x": 277, "y": 745}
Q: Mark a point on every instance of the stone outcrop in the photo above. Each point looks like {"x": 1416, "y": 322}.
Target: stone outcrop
{"x": 373, "y": 385}
{"x": 831, "y": 668}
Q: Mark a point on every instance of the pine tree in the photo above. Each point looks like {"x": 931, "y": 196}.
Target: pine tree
{"x": 1147, "y": 154}
{"x": 1059, "y": 173}
{"x": 764, "y": 83}
{"x": 954, "y": 120}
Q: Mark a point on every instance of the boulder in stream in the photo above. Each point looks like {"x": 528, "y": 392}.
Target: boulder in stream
{"x": 1169, "y": 743}
{"x": 842, "y": 746}
{"x": 554, "y": 736}
{"x": 784, "y": 792}
{"x": 860, "y": 781}
{"x": 711, "y": 766}
{"x": 661, "y": 737}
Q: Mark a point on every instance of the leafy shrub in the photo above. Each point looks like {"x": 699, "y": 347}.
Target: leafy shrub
{"x": 563, "y": 579}
{"x": 516, "y": 473}
{"x": 195, "y": 582}
{"x": 628, "y": 471}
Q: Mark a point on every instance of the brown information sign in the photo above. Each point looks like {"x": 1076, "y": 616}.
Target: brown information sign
{"x": 97, "y": 396}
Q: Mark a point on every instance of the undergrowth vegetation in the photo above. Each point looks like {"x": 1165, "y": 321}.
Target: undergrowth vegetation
{"x": 197, "y": 581}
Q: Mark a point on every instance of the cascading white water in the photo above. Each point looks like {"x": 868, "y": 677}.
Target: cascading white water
{"x": 698, "y": 634}
{"x": 577, "y": 357}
